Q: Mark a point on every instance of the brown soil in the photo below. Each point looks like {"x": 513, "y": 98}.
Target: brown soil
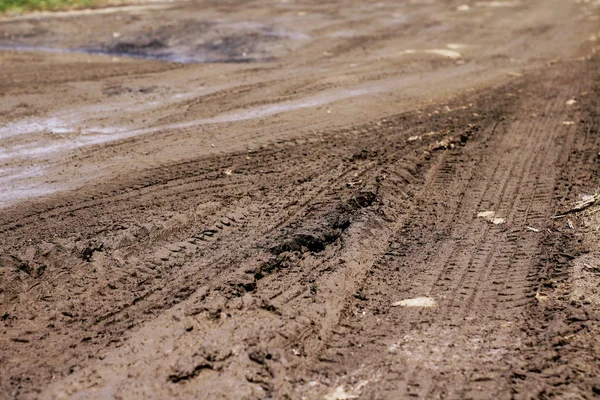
{"x": 244, "y": 224}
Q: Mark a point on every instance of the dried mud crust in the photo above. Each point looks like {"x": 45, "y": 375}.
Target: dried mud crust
{"x": 272, "y": 273}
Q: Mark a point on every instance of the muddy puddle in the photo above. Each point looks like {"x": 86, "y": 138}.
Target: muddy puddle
{"x": 18, "y": 186}
{"x": 151, "y": 34}
{"x": 354, "y": 201}
{"x": 75, "y": 128}
{"x": 40, "y": 137}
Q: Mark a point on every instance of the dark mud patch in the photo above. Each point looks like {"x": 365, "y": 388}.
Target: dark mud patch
{"x": 195, "y": 42}
{"x": 142, "y": 48}
{"x": 318, "y": 232}
{"x": 229, "y": 49}
{"x": 320, "y": 229}
{"x": 153, "y": 37}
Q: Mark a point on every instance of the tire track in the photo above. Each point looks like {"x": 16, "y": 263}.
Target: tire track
{"x": 135, "y": 290}
{"x": 481, "y": 275}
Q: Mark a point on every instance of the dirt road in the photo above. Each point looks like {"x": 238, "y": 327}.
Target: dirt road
{"x": 284, "y": 200}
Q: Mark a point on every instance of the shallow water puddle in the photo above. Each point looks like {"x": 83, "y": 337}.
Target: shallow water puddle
{"x": 13, "y": 180}
{"x": 71, "y": 135}
{"x": 192, "y": 41}
{"x": 79, "y": 132}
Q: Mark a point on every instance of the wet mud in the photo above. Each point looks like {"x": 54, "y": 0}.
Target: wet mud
{"x": 300, "y": 200}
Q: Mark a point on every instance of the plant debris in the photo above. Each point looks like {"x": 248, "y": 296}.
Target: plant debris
{"x": 585, "y": 202}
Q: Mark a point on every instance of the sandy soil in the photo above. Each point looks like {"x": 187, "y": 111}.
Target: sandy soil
{"x": 304, "y": 200}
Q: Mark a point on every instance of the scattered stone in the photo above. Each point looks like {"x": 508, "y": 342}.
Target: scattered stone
{"x": 486, "y": 214}
{"x": 339, "y": 394}
{"x": 497, "y": 3}
{"x": 490, "y": 216}
{"x": 416, "y": 302}
{"x": 541, "y": 297}
{"x": 443, "y": 144}
{"x": 444, "y": 53}
{"x": 438, "y": 52}
{"x": 88, "y": 252}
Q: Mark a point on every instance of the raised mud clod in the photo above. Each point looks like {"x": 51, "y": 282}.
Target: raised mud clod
{"x": 318, "y": 231}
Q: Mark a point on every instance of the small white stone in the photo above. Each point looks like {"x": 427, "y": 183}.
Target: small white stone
{"x": 416, "y": 302}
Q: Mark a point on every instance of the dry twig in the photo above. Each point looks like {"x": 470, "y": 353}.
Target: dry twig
{"x": 585, "y": 202}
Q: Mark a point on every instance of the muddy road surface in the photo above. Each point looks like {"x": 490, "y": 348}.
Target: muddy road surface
{"x": 303, "y": 200}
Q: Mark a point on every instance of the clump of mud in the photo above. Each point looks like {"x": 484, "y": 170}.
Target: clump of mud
{"x": 317, "y": 233}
